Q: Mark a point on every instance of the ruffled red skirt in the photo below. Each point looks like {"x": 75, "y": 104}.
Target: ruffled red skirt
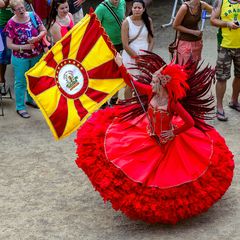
{"x": 152, "y": 182}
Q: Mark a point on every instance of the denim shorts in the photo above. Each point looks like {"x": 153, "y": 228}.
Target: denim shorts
{"x": 5, "y": 55}
{"x": 224, "y": 61}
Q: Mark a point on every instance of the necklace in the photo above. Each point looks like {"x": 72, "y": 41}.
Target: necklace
{"x": 193, "y": 8}
{"x": 159, "y": 101}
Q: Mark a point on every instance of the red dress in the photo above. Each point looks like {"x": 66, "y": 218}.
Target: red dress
{"x": 155, "y": 182}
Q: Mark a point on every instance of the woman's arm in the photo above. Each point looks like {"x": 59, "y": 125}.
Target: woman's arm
{"x": 186, "y": 117}
{"x": 141, "y": 88}
{"x": 3, "y": 3}
{"x": 207, "y": 7}
{"x": 125, "y": 39}
{"x": 55, "y": 32}
{"x": 177, "y": 24}
{"x": 215, "y": 17}
{"x": 150, "y": 38}
{"x": 17, "y": 47}
{"x": 40, "y": 36}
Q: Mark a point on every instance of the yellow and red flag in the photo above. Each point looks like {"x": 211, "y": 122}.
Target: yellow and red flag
{"x": 75, "y": 77}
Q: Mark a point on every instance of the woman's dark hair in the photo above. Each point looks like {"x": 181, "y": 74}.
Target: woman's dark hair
{"x": 53, "y": 13}
{"x": 145, "y": 16}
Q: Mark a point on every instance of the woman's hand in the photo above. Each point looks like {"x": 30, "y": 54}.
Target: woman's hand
{"x": 167, "y": 135}
{"x": 28, "y": 46}
{"x": 232, "y": 25}
{"x": 197, "y": 33}
{"x": 33, "y": 40}
{"x": 77, "y": 3}
{"x": 118, "y": 60}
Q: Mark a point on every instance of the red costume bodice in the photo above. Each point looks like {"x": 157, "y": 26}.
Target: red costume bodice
{"x": 160, "y": 120}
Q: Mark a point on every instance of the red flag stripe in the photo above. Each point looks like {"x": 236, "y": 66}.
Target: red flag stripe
{"x": 59, "y": 117}
{"x": 92, "y": 33}
{"x": 108, "y": 70}
{"x": 39, "y": 85}
{"x": 66, "y": 46}
{"x": 96, "y": 95}
{"x": 82, "y": 112}
{"x": 49, "y": 59}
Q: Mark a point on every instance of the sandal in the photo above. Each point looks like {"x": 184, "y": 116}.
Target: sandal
{"x": 32, "y": 104}
{"x": 234, "y": 106}
{"x": 23, "y": 113}
{"x": 221, "y": 116}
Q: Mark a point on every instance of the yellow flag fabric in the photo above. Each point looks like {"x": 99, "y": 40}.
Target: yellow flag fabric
{"x": 75, "y": 77}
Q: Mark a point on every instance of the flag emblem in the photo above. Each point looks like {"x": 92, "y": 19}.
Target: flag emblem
{"x": 71, "y": 78}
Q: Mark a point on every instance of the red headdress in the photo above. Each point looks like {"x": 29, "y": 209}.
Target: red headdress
{"x": 177, "y": 84}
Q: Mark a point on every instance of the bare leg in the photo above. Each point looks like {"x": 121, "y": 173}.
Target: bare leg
{"x": 220, "y": 91}
{"x": 236, "y": 90}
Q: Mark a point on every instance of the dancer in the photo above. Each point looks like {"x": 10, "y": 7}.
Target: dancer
{"x": 158, "y": 165}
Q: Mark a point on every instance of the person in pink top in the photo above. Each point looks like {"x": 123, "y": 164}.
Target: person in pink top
{"x": 60, "y": 20}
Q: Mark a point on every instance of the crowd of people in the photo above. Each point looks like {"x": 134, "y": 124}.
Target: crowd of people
{"x": 130, "y": 29}
{"x": 134, "y": 160}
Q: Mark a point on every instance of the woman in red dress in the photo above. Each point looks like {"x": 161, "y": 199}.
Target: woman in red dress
{"x": 160, "y": 165}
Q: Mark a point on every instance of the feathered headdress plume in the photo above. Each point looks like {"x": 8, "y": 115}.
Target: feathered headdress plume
{"x": 189, "y": 85}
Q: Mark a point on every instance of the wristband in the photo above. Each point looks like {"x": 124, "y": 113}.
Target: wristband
{"x": 20, "y": 49}
{"x": 228, "y": 26}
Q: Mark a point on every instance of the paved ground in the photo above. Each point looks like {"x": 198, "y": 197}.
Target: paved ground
{"x": 43, "y": 195}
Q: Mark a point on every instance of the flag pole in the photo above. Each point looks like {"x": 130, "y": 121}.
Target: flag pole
{"x": 144, "y": 110}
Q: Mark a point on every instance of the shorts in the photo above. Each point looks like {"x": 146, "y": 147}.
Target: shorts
{"x": 187, "y": 50}
{"x": 5, "y": 55}
{"x": 224, "y": 61}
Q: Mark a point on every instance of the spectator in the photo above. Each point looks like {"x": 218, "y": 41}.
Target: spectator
{"x": 189, "y": 37}
{"x": 5, "y": 54}
{"x": 112, "y": 23}
{"x": 60, "y": 20}
{"x": 137, "y": 35}
{"x": 129, "y": 4}
{"x": 25, "y": 41}
{"x": 111, "y": 14}
{"x": 226, "y": 17}
{"x": 75, "y": 8}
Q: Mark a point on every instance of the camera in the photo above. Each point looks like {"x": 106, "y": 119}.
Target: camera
{"x": 237, "y": 23}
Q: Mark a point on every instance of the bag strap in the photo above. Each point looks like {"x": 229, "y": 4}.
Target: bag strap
{"x": 139, "y": 32}
{"x": 33, "y": 19}
{"x": 113, "y": 13}
{"x": 176, "y": 34}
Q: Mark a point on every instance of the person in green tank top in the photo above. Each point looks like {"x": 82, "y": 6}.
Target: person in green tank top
{"x": 226, "y": 16}
{"x": 5, "y": 54}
